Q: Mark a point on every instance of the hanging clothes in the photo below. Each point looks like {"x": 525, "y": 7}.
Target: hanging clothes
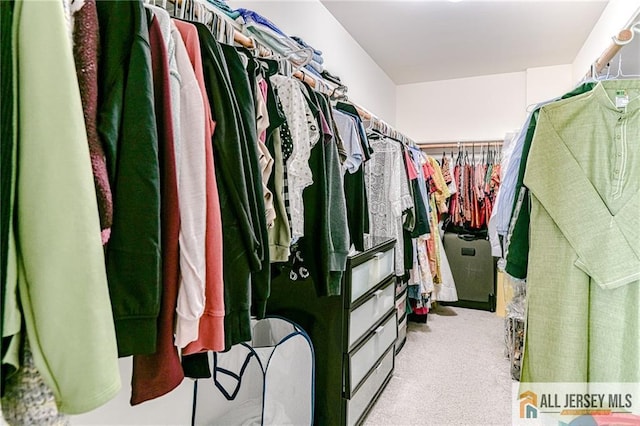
{"x": 303, "y": 138}
{"x": 211, "y": 323}
{"x": 325, "y": 245}
{"x": 280, "y": 233}
{"x": 517, "y": 239}
{"x": 420, "y": 272}
{"x": 242, "y": 255}
{"x": 476, "y": 182}
{"x": 86, "y": 44}
{"x": 192, "y": 297}
{"x": 583, "y": 321}
{"x": 388, "y": 195}
{"x": 240, "y": 81}
{"x": 7, "y": 171}
{"x": 29, "y": 400}
{"x": 162, "y": 367}
{"x": 59, "y": 272}
{"x": 445, "y": 290}
{"x": 265, "y": 158}
{"x": 349, "y": 130}
{"x": 127, "y": 126}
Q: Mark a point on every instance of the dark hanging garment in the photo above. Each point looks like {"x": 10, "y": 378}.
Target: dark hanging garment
{"x": 518, "y": 253}
{"x": 355, "y": 192}
{"x": 357, "y": 207}
{"x": 276, "y": 115}
{"x": 6, "y": 148}
{"x": 244, "y": 94}
{"x": 408, "y": 250}
{"x": 127, "y": 127}
{"x": 159, "y": 373}
{"x": 315, "y": 244}
{"x": 279, "y": 234}
{"x": 422, "y": 226}
{"x": 351, "y": 110}
{"x": 321, "y": 253}
{"x": 325, "y": 243}
{"x": 242, "y": 252}
{"x": 338, "y": 219}
{"x": 239, "y": 242}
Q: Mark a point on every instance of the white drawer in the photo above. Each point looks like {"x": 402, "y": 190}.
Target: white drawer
{"x": 401, "y": 286}
{"x": 357, "y": 405}
{"x": 370, "y": 273}
{"x": 362, "y": 359}
{"x": 401, "y": 305}
{"x": 366, "y": 315}
{"x": 402, "y": 330}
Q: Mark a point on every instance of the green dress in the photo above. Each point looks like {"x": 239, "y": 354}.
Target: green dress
{"x": 583, "y": 173}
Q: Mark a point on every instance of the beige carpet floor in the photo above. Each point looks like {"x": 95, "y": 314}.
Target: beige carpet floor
{"x": 451, "y": 371}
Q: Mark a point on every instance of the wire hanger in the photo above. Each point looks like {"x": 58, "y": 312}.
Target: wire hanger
{"x": 620, "y": 74}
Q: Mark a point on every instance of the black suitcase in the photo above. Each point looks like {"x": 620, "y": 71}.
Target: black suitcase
{"x": 474, "y": 270}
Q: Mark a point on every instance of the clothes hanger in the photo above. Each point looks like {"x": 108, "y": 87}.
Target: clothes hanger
{"x": 341, "y": 95}
{"x": 620, "y": 74}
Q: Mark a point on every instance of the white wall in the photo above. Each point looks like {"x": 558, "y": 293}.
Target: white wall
{"x": 368, "y": 85}
{"x": 546, "y": 83}
{"x": 476, "y": 108}
{"x": 616, "y": 16}
{"x": 466, "y": 109}
{"x": 171, "y": 409}
{"x": 486, "y": 107}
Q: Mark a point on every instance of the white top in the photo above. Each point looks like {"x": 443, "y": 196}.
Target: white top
{"x": 164, "y": 21}
{"x": 305, "y": 134}
{"x": 192, "y": 196}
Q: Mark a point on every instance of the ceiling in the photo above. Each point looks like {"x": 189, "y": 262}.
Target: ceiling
{"x": 418, "y": 41}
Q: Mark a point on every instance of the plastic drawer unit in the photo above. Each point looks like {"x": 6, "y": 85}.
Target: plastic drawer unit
{"x": 354, "y": 334}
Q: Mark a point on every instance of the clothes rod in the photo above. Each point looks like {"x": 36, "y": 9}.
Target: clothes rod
{"x": 623, "y": 38}
{"x": 240, "y": 38}
{"x": 446, "y": 145}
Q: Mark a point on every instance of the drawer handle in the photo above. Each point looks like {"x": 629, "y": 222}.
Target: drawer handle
{"x": 379, "y": 255}
{"x": 379, "y": 330}
{"x": 378, "y": 293}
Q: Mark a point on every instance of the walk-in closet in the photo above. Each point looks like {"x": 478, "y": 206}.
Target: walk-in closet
{"x": 320, "y": 212}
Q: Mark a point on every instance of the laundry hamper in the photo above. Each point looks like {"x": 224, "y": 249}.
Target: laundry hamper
{"x": 267, "y": 381}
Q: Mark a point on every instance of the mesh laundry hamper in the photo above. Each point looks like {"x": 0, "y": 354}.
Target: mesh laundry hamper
{"x": 268, "y": 381}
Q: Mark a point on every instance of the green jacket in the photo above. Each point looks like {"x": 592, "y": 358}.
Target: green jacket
{"x": 127, "y": 127}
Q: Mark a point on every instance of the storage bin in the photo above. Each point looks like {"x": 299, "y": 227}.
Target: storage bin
{"x": 268, "y": 381}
